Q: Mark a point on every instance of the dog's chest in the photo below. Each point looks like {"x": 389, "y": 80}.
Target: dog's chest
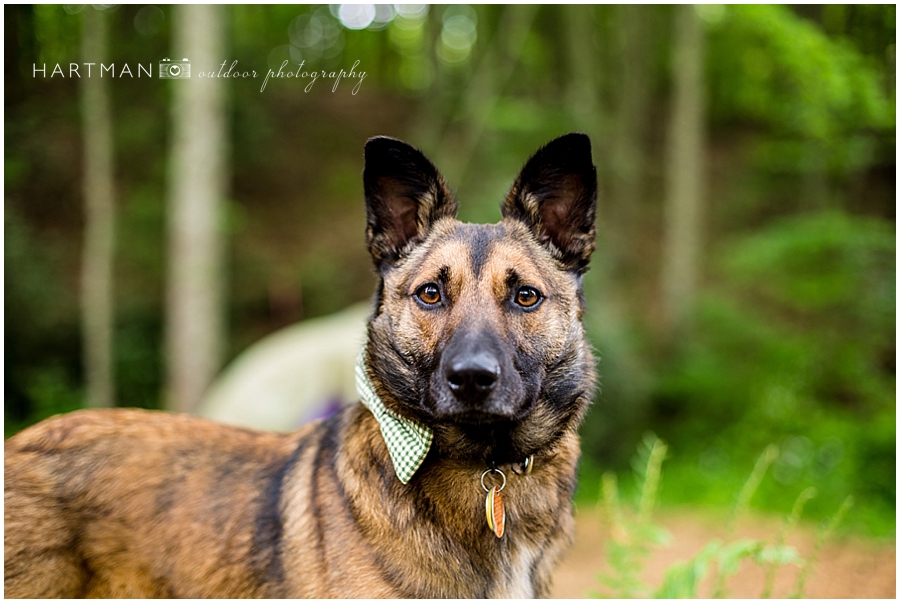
{"x": 516, "y": 580}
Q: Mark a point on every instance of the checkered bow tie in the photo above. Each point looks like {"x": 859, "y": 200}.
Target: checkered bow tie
{"x": 407, "y": 440}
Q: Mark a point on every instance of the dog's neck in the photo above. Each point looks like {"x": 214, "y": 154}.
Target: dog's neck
{"x": 408, "y": 441}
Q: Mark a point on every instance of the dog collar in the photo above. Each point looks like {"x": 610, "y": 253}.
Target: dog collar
{"x": 407, "y": 440}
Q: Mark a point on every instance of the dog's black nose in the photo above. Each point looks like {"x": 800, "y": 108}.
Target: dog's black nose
{"x": 472, "y": 378}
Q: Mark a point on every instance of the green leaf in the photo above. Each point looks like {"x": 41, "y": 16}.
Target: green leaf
{"x": 682, "y": 579}
{"x": 730, "y": 557}
{"x": 655, "y": 535}
{"x": 779, "y": 555}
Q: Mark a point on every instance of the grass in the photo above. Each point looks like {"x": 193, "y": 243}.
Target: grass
{"x": 634, "y": 535}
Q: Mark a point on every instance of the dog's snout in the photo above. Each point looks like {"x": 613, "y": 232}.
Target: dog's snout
{"x": 477, "y": 382}
{"x": 471, "y": 378}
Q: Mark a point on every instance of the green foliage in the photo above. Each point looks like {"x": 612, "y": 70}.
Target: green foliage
{"x": 618, "y": 416}
{"x": 796, "y": 347}
{"x": 633, "y": 536}
{"x": 49, "y": 391}
{"x": 57, "y": 29}
{"x": 682, "y": 578}
{"x": 775, "y": 67}
{"x": 825, "y": 532}
{"x": 38, "y": 335}
{"x": 751, "y": 486}
{"x": 789, "y": 524}
{"x": 822, "y": 107}
{"x": 817, "y": 264}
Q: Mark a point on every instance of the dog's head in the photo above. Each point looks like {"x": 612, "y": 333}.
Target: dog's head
{"x": 477, "y": 328}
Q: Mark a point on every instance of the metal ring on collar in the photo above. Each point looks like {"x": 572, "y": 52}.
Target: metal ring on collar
{"x": 492, "y": 470}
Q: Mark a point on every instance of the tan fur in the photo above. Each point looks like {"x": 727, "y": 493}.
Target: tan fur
{"x": 128, "y": 503}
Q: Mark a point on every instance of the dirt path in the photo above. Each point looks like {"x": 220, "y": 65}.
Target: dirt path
{"x": 848, "y": 568}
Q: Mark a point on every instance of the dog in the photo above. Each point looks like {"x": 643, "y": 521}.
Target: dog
{"x": 454, "y": 478}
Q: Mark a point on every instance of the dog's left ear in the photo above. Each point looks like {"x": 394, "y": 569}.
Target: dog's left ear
{"x": 405, "y": 196}
{"x": 556, "y": 195}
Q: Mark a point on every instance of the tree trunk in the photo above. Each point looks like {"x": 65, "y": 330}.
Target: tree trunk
{"x": 99, "y": 221}
{"x": 195, "y": 319}
{"x": 636, "y": 28}
{"x": 685, "y": 173}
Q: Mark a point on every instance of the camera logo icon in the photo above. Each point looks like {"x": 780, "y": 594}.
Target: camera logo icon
{"x": 175, "y": 69}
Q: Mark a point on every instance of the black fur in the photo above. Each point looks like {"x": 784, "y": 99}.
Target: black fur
{"x": 556, "y": 195}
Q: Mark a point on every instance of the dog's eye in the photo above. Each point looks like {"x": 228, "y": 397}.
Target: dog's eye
{"x": 528, "y": 297}
{"x": 429, "y": 294}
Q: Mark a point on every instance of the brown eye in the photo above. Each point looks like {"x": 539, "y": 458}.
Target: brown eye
{"x": 429, "y": 294}
{"x": 528, "y": 297}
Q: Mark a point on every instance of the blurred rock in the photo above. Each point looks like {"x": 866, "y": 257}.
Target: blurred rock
{"x": 293, "y": 376}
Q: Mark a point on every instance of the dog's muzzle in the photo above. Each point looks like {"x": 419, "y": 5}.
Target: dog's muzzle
{"x": 476, "y": 381}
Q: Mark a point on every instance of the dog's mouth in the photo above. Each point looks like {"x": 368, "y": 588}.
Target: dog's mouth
{"x": 479, "y": 417}
{"x": 507, "y": 404}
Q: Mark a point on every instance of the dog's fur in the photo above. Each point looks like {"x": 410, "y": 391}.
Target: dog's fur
{"x": 476, "y": 332}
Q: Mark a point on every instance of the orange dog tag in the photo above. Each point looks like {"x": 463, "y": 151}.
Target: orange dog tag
{"x": 496, "y": 514}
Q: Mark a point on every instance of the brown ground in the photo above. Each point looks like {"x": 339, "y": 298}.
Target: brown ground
{"x": 846, "y": 568}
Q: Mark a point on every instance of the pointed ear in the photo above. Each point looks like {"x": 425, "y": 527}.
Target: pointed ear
{"x": 405, "y": 195}
{"x": 556, "y": 196}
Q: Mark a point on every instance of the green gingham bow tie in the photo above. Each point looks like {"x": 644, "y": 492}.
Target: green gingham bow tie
{"x": 407, "y": 440}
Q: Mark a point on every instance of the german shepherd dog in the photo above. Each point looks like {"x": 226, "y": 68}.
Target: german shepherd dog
{"x": 475, "y": 345}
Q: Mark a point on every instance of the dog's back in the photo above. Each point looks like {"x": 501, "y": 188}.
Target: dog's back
{"x": 124, "y": 503}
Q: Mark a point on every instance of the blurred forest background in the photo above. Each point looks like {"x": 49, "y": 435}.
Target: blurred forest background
{"x": 743, "y": 292}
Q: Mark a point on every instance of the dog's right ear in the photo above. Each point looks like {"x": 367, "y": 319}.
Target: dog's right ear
{"x": 405, "y": 195}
